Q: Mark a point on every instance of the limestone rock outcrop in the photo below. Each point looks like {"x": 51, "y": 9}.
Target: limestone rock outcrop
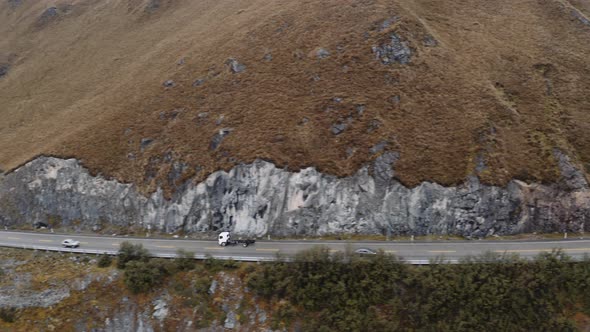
{"x": 259, "y": 199}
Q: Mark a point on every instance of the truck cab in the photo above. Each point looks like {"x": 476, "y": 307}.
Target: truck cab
{"x": 223, "y": 239}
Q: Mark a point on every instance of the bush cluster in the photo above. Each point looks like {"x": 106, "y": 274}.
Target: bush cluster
{"x": 185, "y": 260}
{"x": 488, "y": 293}
{"x": 131, "y": 252}
{"x": 142, "y": 273}
{"x": 105, "y": 260}
{"x": 8, "y": 315}
{"x": 142, "y": 276}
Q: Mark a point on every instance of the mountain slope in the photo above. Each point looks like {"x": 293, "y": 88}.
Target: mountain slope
{"x": 157, "y": 92}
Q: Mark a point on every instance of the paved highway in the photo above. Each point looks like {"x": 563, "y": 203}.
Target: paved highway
{"x": 414, "y": 252}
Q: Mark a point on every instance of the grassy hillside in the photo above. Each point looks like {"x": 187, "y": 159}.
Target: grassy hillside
{"x": 477, "y": 87}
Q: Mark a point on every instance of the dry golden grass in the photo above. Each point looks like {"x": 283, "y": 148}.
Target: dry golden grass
{"x": 508, "y": 81}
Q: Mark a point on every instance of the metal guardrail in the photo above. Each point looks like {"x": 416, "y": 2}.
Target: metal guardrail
{"x": 115, "y": 252}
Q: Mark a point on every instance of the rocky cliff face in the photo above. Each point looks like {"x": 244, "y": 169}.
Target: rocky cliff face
{"x": 259, "y": 199}
{"x": 45, "y": 291}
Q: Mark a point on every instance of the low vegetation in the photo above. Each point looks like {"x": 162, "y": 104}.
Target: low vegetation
{"x": 318, "y": 291}
{"x": 185, "y": 260}
{"x": 142, "y": 276}
{"x": 8, "y": 315}
{"x": 105, "y": 260}
{"x": 324, "y": 291}
{"x": 143, "y": 273}
{"x": 489, "y": 293}
{"x": 131, "y": 252}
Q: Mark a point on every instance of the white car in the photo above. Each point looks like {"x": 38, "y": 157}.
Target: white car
{"x": 69, "y": 243}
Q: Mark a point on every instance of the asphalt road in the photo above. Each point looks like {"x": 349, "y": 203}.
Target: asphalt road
{"x": 416, "y": 252}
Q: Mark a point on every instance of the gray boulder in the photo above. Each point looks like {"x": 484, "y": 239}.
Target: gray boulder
{"x": 322, "y": 53}
{"x": 218, "y": 138}
{"x": 338, "y": 128}
{"x": 235, "y": 66}
{"x": 396, "y": 50}
{"x": 4, "y": 70}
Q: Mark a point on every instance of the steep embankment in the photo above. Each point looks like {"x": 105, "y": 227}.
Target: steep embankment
{"x": 162, "y": 93}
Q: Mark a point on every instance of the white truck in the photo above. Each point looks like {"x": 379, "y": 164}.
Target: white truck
{"x": 224, "y": 239}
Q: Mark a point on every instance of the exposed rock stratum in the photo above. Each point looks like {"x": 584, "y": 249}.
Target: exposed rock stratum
{"x": 259, "y": 199}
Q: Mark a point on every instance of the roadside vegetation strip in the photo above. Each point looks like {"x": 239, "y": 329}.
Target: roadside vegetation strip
{"x": 489, "y": 292}
{"x": 325, "y": 291}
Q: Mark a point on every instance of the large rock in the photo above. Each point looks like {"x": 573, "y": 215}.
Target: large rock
{"x": 13, "y": 298}
{"x": 395, "y": 50}
{"x": 259, "y": 198}
{"x": 235, "y": 66}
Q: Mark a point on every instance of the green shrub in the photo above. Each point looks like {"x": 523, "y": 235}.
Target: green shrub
{"x": 212, "y": 265}
{"x": 131, "y": 252}
{"x": 141, "y": 276}
{"x": 230, "y": 264}
{"x": 8, "y": 315}
{"x": 167, "y": 266}
{"x": 341, "y": 292}
{"x": 202, "y": 284}
{"x": 104, "y": 260}
{"x": 209, "y": 260}
{"x": 185, "y": 260}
